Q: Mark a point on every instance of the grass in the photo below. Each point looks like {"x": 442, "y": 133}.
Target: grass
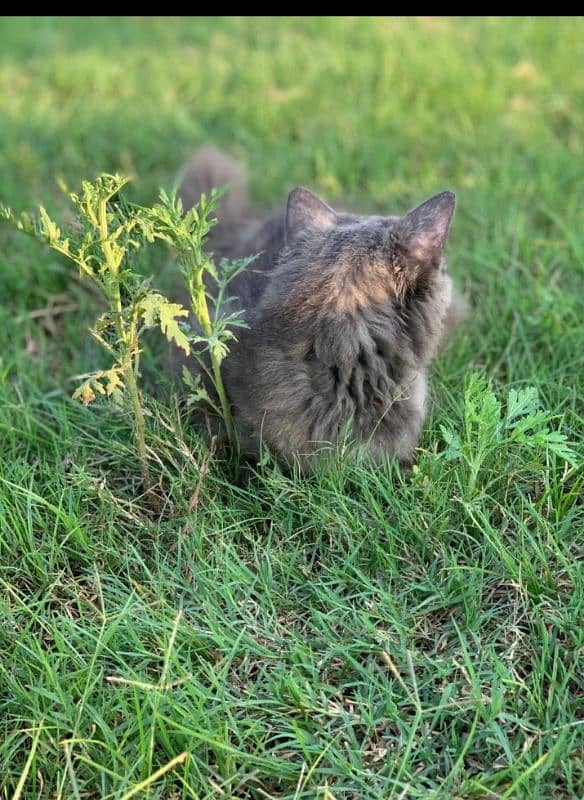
{"x": 360, "y": 634}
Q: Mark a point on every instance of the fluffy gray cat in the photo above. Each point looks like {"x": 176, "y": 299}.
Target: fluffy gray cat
{"x": 345, "y": 314}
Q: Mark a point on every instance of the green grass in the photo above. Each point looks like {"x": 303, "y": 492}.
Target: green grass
{"x": 360, "y": 634}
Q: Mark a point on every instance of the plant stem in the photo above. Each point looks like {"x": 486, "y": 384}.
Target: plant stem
{"x": 129, "y": 343}
{"x": 130, "y": 379}
{"x": 225, "y": 407}
{"x": 199, "y": 301}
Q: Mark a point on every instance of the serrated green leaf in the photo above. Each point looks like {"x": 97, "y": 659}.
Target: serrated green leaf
{"x": 86, "y": 393}
{"x": 156, "y": 308}
{"x": 114, "y": 383}
{"x": 454, "y": 445}
{"x": 198, "y": 394}
{"x": 521, "y": 402}
{"x": 556, "y": 442}
{"x": 190, "y": 380}
{"x": 150, "y": 306}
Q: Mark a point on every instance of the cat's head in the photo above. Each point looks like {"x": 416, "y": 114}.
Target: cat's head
{"x": 341, "y": 268}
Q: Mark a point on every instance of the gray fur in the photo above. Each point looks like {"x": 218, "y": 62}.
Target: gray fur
{"x": 345, "y": 314}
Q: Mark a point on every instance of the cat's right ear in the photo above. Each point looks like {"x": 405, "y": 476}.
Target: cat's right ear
{"x": 307, "y": 212}
{"x": 423, "y": 231}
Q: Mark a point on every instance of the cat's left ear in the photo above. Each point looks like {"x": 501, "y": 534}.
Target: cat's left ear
{"x": 423, "y": 231}
{"x": 307, "y": 212}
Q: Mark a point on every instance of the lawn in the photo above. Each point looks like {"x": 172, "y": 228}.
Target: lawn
{"x": 361, "y": 634}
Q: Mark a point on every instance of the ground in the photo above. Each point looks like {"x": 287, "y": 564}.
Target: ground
{"x": 362, "y": 634}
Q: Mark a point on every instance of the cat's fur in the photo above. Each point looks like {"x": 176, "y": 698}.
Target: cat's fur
{"x": 345, "y": 314}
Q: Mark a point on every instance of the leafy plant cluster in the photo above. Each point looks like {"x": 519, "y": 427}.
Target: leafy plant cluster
{"x": 108, "y": 234}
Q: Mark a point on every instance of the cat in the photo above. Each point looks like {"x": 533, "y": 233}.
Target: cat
{"x": 345, "y": 314}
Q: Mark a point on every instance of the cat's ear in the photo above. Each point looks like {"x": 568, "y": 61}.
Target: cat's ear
{"x": 307, "y": 212}
{"x": 423, "y": 231}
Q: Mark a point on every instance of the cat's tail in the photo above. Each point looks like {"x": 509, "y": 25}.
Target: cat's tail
{"x": 211, "y": 167}
{"x": 458, "y": 311}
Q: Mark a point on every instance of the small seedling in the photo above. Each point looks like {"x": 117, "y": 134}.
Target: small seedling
{"x": 186, "y": 233}
{"x": 520, "y": 428}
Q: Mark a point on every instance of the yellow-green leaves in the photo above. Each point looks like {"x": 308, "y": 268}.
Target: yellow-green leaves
{"x": 50, "y": 230}
{"x": 86, "y": 392}
{"x": 106, "y": 382}
{"x": 114, "y": 386}
{"x": 156, "y": 308}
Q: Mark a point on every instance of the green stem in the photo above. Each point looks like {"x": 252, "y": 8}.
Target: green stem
{"x": 130, "y": 345}
{"x": 225, "y": 407}
{"x": 130, "y": 380}
{"x": 199, "y": 301}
